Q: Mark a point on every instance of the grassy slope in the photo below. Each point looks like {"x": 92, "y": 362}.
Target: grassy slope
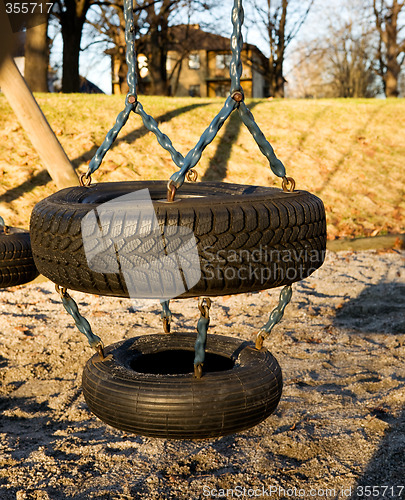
{"x": 348, "y": 152}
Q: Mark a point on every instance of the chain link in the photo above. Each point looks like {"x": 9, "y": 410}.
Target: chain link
{"x": 81, "y": 322}
{"x": 3, "y": 228}
{"x": 234, "y": 101}
{"x": 275, "y": 316}
{"x": 166, "y": 315}
{"x": 204, "y": 305}
{"x": 265, "y": 147}
{"x": 235, "y": 68}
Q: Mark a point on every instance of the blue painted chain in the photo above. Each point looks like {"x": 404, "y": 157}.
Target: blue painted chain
{"x": 234, "y": 101}
{"x": 235, "y": 68}
{"x": 275, "y": 316}
{"x": 130, "y": 53}
{"x": 201, "y": 342}
{"x": 151, "y": 124}
{"x": 166, "y": 315}
{"x": 82, "y": 324}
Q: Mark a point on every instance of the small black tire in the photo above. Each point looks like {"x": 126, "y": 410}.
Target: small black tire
{"x": 249, "y": 238}
{"x": 16, "y": 262}
{"x": 146, "y": 386}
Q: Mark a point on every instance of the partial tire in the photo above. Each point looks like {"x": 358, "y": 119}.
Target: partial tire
{"x": 248, "y": 238}
{"x": 146, "y": 386}
{"x": 16, "y": 262}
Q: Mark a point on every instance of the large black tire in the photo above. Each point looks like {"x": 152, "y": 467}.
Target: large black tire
{"x": 16, "y": 262}
{"x": 248, "y": 238}
{"x": 146, "y": 386}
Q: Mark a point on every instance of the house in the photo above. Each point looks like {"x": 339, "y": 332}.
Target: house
{"x": 197, "y": 65}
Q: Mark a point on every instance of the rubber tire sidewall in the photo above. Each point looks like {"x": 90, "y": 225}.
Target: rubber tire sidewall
{"x": 17, "y": 265}
{"x": 181, "y": 406}
{"x": 229, "y": 220}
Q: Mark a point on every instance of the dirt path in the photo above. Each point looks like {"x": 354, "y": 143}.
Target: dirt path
{"x": 339, "y": 427}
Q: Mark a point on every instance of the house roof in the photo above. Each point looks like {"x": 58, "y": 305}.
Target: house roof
{"x": 192, "y": 37}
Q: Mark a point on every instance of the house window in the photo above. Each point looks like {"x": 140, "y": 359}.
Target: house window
{"x": 222, "y": 89}
{"x": 223, "y": 61}
{"x": 194, "y": 91}
{"x": 194, "y": 61}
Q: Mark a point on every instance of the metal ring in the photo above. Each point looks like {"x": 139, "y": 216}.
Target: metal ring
{"x": 166, "y": 325}
{"x": 288, "y": 181}
{"x": 171, "y": 191}
{"x": 87, "y": 182}
{"x": 192, "y": 175}
{"x": 259, "y": 341}
{"x": 61, "y": 290}
{"x": 204, "y": 309}
{"x": 198, "y": 370}
{"x": 99, "y": 348}
{"x": 237, "y": 96}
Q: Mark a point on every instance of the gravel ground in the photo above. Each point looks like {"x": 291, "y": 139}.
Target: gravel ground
{"x": 339, "y": 427}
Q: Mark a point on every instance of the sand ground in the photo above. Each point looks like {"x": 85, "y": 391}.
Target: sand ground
{"x": 339, "y": 428}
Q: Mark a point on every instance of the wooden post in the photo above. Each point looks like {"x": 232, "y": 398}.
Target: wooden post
{"x": 33, "y": 120}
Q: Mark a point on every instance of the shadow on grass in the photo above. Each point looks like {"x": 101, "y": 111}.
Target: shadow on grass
{"x": 218, "y": 165}
{"x": 349, "y": 150}
{"x": 307, "y": 133}
{"x": 139, "y": 132}
{"x": 42, "y": 178}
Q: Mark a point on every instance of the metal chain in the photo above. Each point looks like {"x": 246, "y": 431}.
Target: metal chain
{"x": 151, "y": 124}
{"x": 235, "y": 68}
{"x": 234, "y": 101}
{"x": 3, "y": 228}
{"x": 275, "y": 316}
{"x": 130, "y": 54}
{"x": 265, "y": 147}
{"x": 194, "y": 155}
{"x": 166, "y": 315}
{"x": 202, "y": 328}
{"x": 121, "y": 120}
{"x": 81, "y": 322}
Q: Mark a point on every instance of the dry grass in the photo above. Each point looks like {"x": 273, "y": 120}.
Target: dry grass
{"x": 348, "y": 152}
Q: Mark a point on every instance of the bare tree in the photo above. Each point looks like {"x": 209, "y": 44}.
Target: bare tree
{"x": 391, "y": 48}
{"x": 340, "y": 62}
{"x": 159, "y": 17}
{"x": 108, "y": 29}
{"x": 153, "y": 21}
{"x": 37, "y": 57}
{"x": 350, "y": 63}
{"x": 72, "y": 16}
{"x": 279, "y": 21}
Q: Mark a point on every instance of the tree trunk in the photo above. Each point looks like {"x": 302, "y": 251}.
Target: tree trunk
{"x": 72, "y": 21}
{"x": 157, "y": 64}
{"x": 387, "y": 26}
{"x": 71, "y": 54}
{"x": 391, "y": 76}
{"x": 277, "y": 51}
{"x": 278, "y": 90}
{"x": 37, "y": 58}
{"x": 391, "y": 84}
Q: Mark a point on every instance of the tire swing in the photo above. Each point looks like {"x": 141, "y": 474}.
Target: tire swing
{"x": 16, "y": 262}
{"x": 159, "y": 239}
